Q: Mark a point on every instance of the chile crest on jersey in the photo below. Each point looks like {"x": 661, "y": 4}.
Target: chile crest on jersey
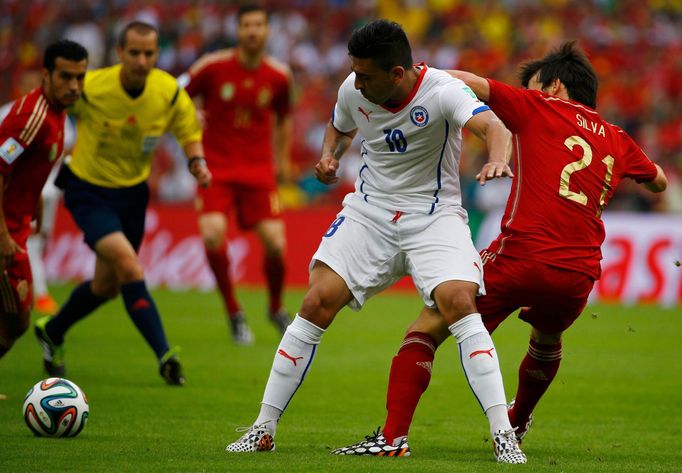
{"x": 419, "y": 116}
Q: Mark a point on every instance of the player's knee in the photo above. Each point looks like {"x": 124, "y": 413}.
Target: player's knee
{"x": 129, "y": 270}
{"x": 317, "y": 308}
{"x": 105, "y": 289}
{"x": 312, "y": 302}
{"x": 459, "y": 305}
{"x": 212, "y": 240}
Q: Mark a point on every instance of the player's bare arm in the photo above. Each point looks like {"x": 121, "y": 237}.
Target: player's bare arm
{"x": 8, "y": 247}
{"x": 334, "y": 145}
{"x": 197, "y": 163}
{"x": 476, "y": 83}
{"x": 283, "y": 132}
{"x": 497, "y": 137}
{"x": 659, "y": 183}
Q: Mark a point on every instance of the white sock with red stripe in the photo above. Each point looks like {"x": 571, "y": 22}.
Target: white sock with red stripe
{"x": 482, "y": 369}
{"x": 293, "y": 358}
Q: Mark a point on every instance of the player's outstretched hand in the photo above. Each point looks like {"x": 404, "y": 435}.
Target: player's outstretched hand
{"x": 493, "y": 170}
{"x": 325, "y": 170}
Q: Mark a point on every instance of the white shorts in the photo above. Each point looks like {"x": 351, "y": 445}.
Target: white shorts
{"x": 371, "y": 250}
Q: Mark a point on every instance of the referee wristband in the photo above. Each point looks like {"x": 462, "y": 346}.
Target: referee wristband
{"x": 195, "y": 159}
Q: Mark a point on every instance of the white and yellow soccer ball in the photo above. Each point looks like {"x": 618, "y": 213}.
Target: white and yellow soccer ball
{"x": 56, "y": 407}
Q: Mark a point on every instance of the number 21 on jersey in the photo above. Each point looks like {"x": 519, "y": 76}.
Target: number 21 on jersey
{"x": 571, "y": 142}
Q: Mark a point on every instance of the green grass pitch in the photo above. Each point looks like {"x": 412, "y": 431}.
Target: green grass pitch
{"x": 616, "y": 405}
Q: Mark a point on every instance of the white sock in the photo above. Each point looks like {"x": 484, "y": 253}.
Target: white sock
{"x": 482, "y": 368}
{"x": 293, "y": 358}
{"x": 35, "y": 246}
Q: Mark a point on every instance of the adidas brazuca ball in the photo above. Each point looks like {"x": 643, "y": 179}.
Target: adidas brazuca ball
{"x": 56, "y": 407}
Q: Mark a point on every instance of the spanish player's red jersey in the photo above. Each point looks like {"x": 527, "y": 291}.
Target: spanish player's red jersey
{"x": 240, "y": 106}
{"x": 31, "y": 140}
{"x": 567, "y": 164}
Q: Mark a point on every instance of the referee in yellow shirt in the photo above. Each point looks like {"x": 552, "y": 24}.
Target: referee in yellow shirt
{"x": 121, "y": 116}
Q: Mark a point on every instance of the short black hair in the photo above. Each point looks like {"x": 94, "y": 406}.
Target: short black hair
{"x": 139, "y": 27}
{"x": 249, "y": 8}
{"x": 65, "y": 49}
{"x": 383, "y": 41}
{"x": 570, "y": 65}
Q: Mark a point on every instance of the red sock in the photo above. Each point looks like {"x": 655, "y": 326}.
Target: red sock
{"x": 220, "y": 265}
{"x": 409, "y": 378}
{"x": 273, "y": 267}
{"x": 537, "y": 370}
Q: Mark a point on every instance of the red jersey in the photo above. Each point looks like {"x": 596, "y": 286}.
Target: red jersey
{"x": 31, "y": 141}
{"x": 568, "y": 162}
{"x": 240, "y": 106}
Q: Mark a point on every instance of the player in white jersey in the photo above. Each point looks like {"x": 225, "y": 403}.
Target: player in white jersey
{"x": 405, "y": 217}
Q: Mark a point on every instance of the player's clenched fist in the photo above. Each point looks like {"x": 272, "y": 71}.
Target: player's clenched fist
{"x": 325, "y": 170}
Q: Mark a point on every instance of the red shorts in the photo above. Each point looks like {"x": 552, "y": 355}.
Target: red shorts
{"x": 251, "y": 204}
{"x": 551, "y": 298}
{"x": 16, "y": 286}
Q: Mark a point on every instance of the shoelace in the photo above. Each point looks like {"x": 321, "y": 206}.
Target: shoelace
{"x": 510, "y": 437}
{"x": 253, "y": 427}
{"x": 374, "y": 436}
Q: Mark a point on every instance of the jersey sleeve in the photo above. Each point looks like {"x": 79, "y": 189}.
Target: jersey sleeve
{"x": 509, "y": 103}
{"x": 17, "y": 132}
{"x": 185, "y": 123}
{"x": 640, "y": 167}
{"x": 193, "y": 80}
{"x": 342, "y": 118}
{"x": 459, "y": 103}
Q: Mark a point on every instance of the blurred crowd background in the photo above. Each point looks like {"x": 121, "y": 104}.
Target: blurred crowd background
{"x": 635, "y": 46}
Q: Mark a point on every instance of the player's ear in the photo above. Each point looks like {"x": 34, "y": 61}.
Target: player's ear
{"x": 397, "y": 73}
{"x": 45, "y": 74}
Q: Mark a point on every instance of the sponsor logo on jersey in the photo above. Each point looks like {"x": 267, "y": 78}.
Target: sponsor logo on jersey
{"x": 366, "y": 114}
{"x": 10, "y": 150}
{"x": 264, "y": 97}
{"x": 419, "y": 116}
{"x": 227, "y": 91}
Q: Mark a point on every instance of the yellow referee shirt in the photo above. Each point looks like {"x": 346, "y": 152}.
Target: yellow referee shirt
{"x": 117, "y": 134}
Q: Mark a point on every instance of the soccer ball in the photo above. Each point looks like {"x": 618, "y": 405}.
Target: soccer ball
{"x": 56, "y": 407}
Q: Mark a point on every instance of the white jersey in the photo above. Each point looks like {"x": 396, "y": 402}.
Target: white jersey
{"x": 411, "y": 152}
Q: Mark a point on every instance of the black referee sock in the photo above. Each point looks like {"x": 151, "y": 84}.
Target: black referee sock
{"x": 81, "y": 302}
{"x": 145, "y": 316}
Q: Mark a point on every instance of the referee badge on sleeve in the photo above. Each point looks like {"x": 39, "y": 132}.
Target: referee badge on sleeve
{"x": 10, "y": 150}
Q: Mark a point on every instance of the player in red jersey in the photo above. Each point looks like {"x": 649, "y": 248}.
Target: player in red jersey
{"x": 246, "y": 104}
{"x": 568, "y": 162}
{"x": 31, "y": 141}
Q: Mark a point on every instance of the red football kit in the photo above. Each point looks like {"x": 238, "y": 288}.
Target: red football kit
{"x": 31, "y": 141}
{"x": 240, "y": 106}
{"x": 567, "y": 164}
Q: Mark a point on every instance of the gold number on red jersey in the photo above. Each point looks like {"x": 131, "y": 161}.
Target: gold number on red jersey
{"x": 579, "y": 165}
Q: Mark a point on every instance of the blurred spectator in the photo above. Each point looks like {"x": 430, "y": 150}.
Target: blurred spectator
{"x": 635, "y": 46}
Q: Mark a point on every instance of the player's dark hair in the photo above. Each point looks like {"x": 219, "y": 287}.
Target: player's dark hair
{"x": 382, "y": 41}
{"x": 139, "y": 27}
{"x": 65, "y": 49}
{"x": 249, "y": 8}
{"x": 570, "y": 65}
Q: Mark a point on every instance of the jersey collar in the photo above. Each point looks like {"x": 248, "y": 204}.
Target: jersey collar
{"x": 395, "y": 107}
